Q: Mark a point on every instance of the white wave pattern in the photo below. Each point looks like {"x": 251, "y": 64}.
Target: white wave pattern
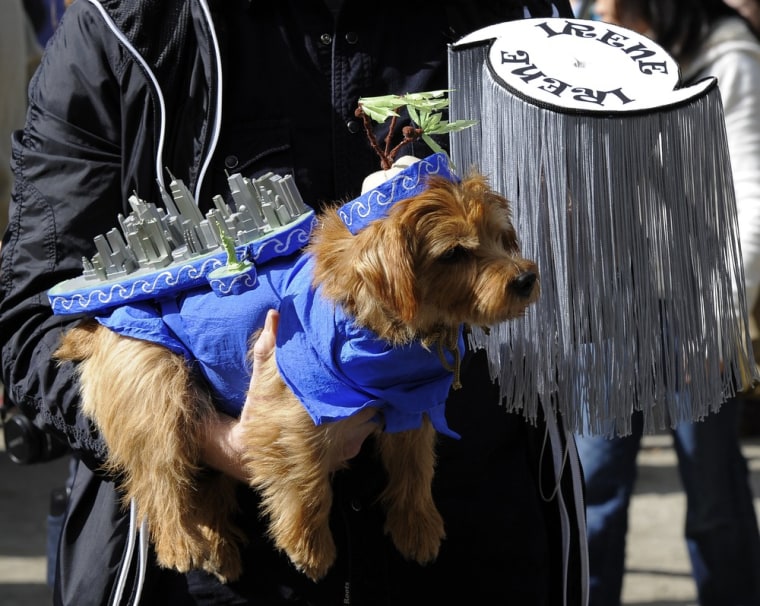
{"x": 375, "y": 203}
{"x": 264, "y": 250}
{"x": 174, "y": 279}
{"x": 234, "y": 284}
{"x": 137, "y": 289}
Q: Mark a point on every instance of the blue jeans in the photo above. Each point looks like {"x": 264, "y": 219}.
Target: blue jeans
{"x": 721, "y": 527}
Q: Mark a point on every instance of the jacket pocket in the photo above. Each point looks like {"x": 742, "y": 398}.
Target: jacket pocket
{"x": 252, "y": 149}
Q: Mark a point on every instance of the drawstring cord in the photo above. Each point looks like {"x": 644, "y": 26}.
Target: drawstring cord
{"x": 456, "y": 368}
{"x": 136, "y": 534}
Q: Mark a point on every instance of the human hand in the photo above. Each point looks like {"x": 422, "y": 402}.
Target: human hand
{"x": 225, "y": 447}
{"x": 354, "y": 430}
{"x": 263, "y": 350}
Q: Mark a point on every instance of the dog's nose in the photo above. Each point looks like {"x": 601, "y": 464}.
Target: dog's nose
{"x": 522, "y": 285}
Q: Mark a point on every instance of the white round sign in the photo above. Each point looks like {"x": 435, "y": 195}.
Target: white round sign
{"x": 583, "y": 65}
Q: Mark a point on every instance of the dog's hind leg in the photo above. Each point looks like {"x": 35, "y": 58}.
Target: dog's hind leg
{"x": 145, "y": 403}
{"x": 218, "y": 500}
{"x": 412, "y": 519}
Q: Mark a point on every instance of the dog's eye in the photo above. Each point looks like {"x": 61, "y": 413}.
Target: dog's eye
{"x": 509, "y": 241}
{"x": 454, "y": 254}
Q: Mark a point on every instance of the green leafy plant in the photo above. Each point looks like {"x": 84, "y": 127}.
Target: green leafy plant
{"x": 425, "y": 111}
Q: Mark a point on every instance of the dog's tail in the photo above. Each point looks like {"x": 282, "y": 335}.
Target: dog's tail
{"x": 78, "y": 343}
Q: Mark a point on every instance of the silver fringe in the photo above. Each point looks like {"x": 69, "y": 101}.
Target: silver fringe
{"x": 632, "y": 221}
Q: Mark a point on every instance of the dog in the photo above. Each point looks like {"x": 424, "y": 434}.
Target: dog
{"x": 444, "y": 258}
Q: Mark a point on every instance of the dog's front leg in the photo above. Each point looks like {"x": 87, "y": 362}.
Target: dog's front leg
{"x": 413, "y": 521}
{"x": 289, "y": 464}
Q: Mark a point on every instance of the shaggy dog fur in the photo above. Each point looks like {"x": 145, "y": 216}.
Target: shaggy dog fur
{"x": 445, "y": 257}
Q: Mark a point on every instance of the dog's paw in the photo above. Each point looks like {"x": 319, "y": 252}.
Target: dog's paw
{"x": 314, "y": 554}
{"x": 223, "y": 558}
{"x": 201, "y": 548}
{"x": 180, "y": 556}
{"x": 416, "y": 534}
{"x": 226, "y": 567}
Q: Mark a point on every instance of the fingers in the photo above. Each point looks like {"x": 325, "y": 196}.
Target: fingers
{"x": 357, "y": 429}
{"x": 363, "y": 416}
{"x": 264, "y": 346}
{"x": 263, "y": 349}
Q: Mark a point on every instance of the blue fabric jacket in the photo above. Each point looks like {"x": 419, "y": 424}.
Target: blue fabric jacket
{"x": 334, "y": 367}
{"x": 128, "y": 88}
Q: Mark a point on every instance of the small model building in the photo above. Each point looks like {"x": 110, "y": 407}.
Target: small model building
{"x": 158, "y": 251}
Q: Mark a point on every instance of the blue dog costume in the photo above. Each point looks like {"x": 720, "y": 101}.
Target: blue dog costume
{"x": 334, "y": 367}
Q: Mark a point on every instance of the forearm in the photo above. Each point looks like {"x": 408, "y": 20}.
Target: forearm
{"x": 44, "y": 392}
{"x": 221, "y": 448}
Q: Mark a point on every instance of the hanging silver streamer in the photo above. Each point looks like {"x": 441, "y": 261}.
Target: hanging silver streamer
{"x": 632, "y": 221}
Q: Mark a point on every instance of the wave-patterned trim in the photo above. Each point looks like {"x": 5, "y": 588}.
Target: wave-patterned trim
{"x": 79, "y": 295}
{"x": 374, "y": 204}
{"x": 234, "y": 284}
{"x": 294, "y": 237}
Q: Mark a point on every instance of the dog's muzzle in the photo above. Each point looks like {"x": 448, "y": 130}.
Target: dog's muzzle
{"x": 523, "y": 285}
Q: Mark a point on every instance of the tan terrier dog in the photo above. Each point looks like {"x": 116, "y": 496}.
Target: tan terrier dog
{"x": 441, "y": 259}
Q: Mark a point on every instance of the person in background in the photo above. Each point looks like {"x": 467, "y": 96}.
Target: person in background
{"x": 206, "y": 88}
{"x": 583, "y": 9}
{"x": 46, "y": 16}
{"x": 19, "y": 55}
{"x": 749, "y": 9}
{"x": 707, "y": 38}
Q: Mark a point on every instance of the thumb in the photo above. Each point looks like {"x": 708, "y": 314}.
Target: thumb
{"x": 263, "y": 349}
{"x": 264, "y": 346}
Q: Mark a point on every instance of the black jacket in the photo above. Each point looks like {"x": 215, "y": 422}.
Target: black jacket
{"x": 129, "y": 88}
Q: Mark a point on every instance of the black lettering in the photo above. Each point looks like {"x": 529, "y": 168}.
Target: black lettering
{"x": 598, "y": 97}
{"x": 649, "y": 68}
{"x": 638, "y": 52}
{"x": 614, "y": 39}
{"x": 526, "y": 74}
{"x": 516, "y": 57}
{"x": 554, "y": 86}
{"x": 618, "y": 92}
{"x": 549, "y": 31}
{"x": 571, "y": 29}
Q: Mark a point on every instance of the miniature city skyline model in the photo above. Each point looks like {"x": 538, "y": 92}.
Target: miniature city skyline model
{"x": 159, "y": 251}
{"x": 153, "y": 237}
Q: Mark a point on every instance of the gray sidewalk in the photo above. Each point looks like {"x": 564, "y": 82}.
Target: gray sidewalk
{"x": 24, "y": 505}
{"x": 658, "y": 568}
{"x": 658, "y": 571}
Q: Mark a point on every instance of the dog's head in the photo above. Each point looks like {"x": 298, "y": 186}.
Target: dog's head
{"x": 446, "y": 256}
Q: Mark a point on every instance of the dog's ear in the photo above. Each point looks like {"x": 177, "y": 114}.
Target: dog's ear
{"x": 386, "y": 267}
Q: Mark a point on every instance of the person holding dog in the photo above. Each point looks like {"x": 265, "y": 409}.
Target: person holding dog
{"x": 128, "y": 89}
